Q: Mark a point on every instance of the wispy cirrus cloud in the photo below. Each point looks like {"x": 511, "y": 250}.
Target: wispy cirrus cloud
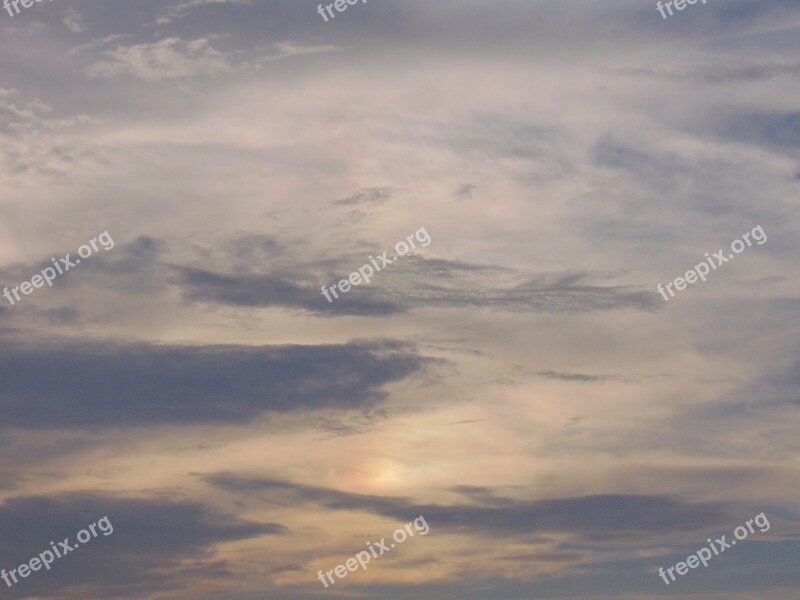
{"x": 289, "y": 49}
{"x": 109, "y": 39}
{"x": 174, "y": 58}
{"x": 170, "y": 58}
{"x": 178, "y": 11}
{"x": 74, "y": 21}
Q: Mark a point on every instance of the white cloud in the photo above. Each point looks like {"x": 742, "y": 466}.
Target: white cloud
{"x": 181, "y": 10}
{"x": 96, "y": 43}
{"x": 36, "y": 142}
{"x": 171, "y": 58}
{"x": 74, "y": 21}
{"x": 287, "y": 49}
{"x": 174, "y": 58}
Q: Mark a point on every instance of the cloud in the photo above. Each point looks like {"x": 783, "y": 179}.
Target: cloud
{"x": 176, "y": 59}
{"x": 235, "y": 277}
{"x": 34, "y": 140}
{"x": 464, "y": 191}
{"x": 289, "y": 49}
{"x": 775, "y": 130}
{"x": 98, "y": 43}
{"x": 74, "y": 21}
{"x": 715, "y": 74}
{"x": 519, "y": 142}
{"x": 595, "y": 517}
{"x": 452, "y": 283}
{"x": 373, "y": 195}
{"x": 181, "y": 10}
{"x": 587, "y": 187}
{"x": 414, "y": 282}
{"x": 86, "y": 384}
{"x": 267, "y": 290}
{"x": 157, "y": 544}
{"x": 573, "y": 376}
{"x": 461, "y": 285}
{"x": 170, "y": 58}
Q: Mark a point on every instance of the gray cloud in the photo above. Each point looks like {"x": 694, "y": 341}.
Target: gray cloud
{"x": 716, "y": 74}
{"x": 464, "y": 191}
{"x": 156, "y": 545}
{"x": 776, "y": 130}
{"x": 85, "y": 384}
{"x": 573, "y": 376}
{"x": 611, "y": 149}
{"x": 415, "y": 282}
{"x": 373, "y": 195}
{"x": 178, "y": 11}
{"x": 267, "y": 290}
{"x": 596, "y": 517}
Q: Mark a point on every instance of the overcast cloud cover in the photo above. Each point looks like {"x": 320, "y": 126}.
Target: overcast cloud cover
{"x": 518, "y": 381}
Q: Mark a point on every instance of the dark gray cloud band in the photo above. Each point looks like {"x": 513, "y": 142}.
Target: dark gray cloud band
{"x": 593, "y": 518}
{"x": 93, "y": 384}
{"x": 156, "y": 544}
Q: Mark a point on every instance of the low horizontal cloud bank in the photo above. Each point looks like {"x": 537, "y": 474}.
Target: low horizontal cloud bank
{"x": 157, "y": 544}
{"x": 124, "y": 385}
{"x": 641, "y": 529}
{"x": 591, "y": 518}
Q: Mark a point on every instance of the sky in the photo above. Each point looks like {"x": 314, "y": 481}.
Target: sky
{"x": 516, "y": 378}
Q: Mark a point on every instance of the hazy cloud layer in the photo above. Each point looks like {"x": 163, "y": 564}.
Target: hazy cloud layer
{"x": 519, "y": 381}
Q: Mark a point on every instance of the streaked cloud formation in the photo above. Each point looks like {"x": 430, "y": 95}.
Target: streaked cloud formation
{"x": 519, "y": 381}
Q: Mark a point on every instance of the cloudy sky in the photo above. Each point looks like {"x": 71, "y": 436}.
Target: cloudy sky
{"x": 518, "y": 381}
